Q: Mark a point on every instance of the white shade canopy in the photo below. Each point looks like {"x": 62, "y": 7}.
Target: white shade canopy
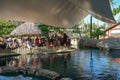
{"x": 27, "y": 28}
{"x": 63, "y": 13}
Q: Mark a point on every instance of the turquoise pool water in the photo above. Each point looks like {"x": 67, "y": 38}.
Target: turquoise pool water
{"x": 20, "y": 77}
{"x": 86, "y": 64}
{"x": 83, "y": 64}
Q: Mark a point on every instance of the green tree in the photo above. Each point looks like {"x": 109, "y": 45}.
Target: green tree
{"x": 97, "y": 32}
{"x": 78, "y": 28}
{"x": 87, "y": 29}
{"x": 44, "y": 28}
{"x": 6, "y": 26}
{"x": 116, "y": 10}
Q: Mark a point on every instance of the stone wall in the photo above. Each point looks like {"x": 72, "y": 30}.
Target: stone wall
{"x": 105, "y": 44}
{"x": 87, "y": 42}
{"x": 34, "y": 71}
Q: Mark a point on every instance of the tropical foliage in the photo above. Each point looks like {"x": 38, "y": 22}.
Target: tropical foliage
{"x": 46, "y": 28}
{"x": 76, "y": 29}
{"x": 84, "y": 30}
{"x": 97, "y": 32}
{"x": 116, "y": 10}
{"x": 6, "y": 26}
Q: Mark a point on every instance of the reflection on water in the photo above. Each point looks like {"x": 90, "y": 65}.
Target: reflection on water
{"x": 14, "y": 78}
{"x": 84, "y": 64}
{"x": 25, "y": 61}
{"x": 20, "y": 77}
{"x": 22, "y": 61}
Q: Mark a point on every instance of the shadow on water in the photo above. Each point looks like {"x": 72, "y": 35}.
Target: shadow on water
{"x": 91, "y": 64}
{"x": 114, "y": 53}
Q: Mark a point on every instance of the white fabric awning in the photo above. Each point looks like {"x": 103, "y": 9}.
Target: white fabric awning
{"x": 64, "y": 13}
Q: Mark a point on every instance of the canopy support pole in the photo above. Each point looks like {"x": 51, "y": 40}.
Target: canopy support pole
{"x": 90, "y": 26}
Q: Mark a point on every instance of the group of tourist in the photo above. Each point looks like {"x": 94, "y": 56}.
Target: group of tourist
{"x": 40, "y": 41}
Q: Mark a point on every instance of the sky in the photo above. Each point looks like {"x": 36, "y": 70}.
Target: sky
{"x": 116, "y": 4}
